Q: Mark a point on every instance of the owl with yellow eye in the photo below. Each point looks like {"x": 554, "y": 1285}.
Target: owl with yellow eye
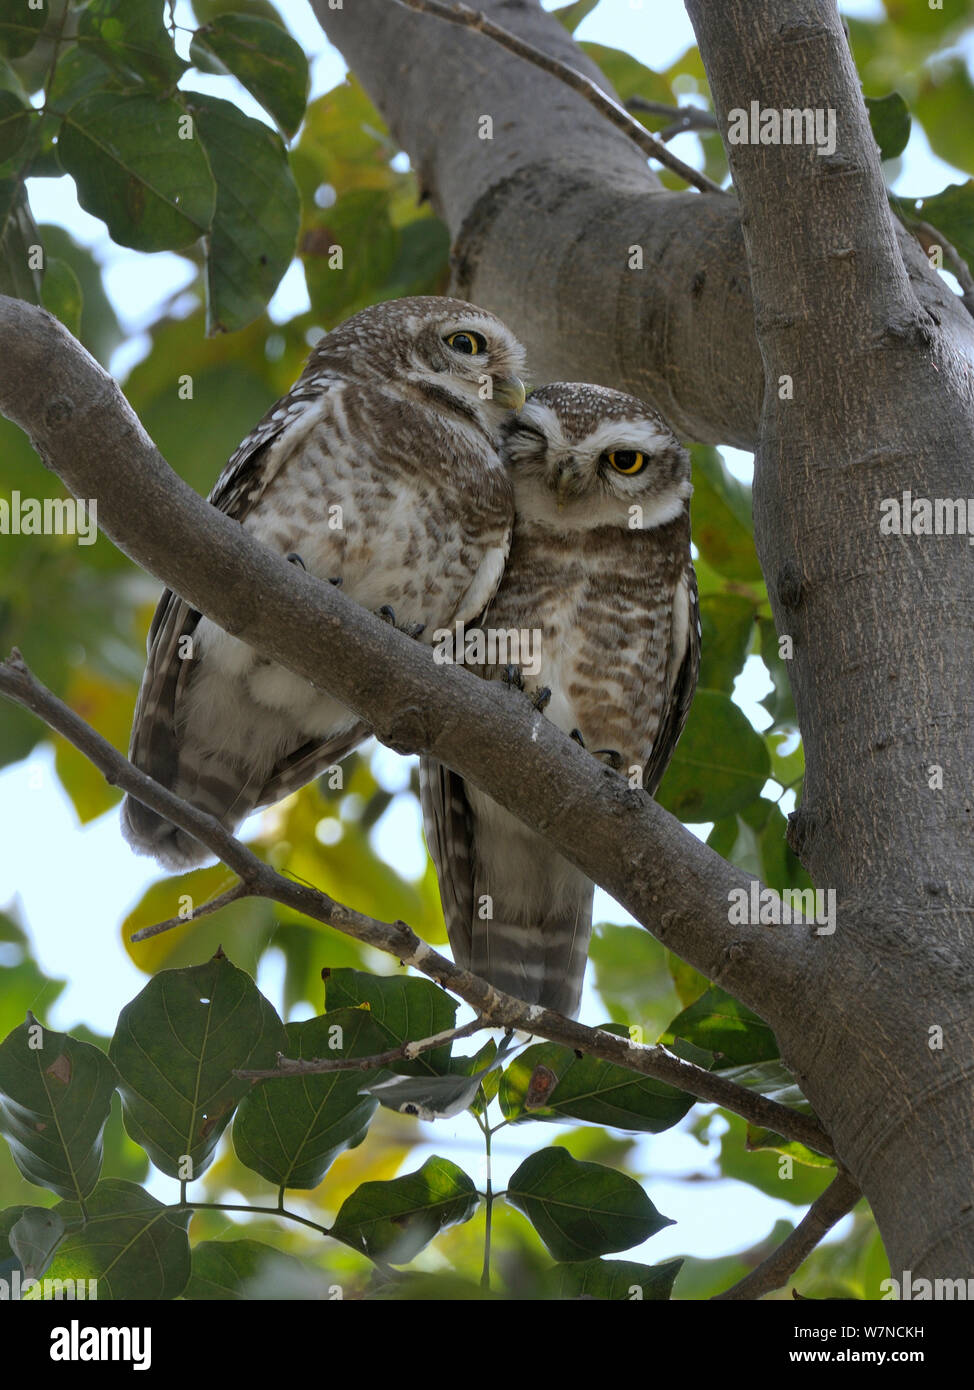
{"x": 599, "y": 596}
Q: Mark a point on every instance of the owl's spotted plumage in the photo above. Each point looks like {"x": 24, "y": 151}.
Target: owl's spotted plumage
{"x": 380, "y": 470}
{"x": 600, "y": 565}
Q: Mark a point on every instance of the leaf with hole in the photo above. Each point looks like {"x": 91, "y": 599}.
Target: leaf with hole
{"x": 176, "y": 1045}
{"x": 55, "y": 1099}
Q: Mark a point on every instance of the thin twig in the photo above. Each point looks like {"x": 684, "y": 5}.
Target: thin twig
{"x": 684, "y": 118}
{"x": 618, "y": 115}
{"x": 495, "y": 1008}
{"x": 313, "y": 1066}
{"x": 221, "y": 900}
{"x": 836, "y": 1201}
{"x": 928, "y": 237}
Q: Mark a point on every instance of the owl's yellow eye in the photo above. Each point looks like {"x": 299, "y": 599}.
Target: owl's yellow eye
{"x": 467, "y": 342}
{"x": 627, "y": 461}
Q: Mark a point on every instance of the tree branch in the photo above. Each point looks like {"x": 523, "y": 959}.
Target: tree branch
{"x": 643, "y": 856}
{"x": 494, "y": 1008}
{"x": 315, "y": 1066}
{"x": 836, "y": 1201}
{"x": 614, "y": 113}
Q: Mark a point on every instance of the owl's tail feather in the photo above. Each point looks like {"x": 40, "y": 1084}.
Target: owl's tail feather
{"x": 540, "y": 960}
{"x": 221, "y": 787}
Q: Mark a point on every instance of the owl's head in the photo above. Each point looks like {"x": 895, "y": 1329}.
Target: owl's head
{"x": 461, "y": 359}
{"x": 583, "y": 456}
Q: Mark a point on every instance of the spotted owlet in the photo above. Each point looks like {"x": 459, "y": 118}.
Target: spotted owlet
{"x": 379, "y": 471}
{"x": 596, "y": 619}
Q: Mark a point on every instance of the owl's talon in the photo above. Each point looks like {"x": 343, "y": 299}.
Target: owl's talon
{"x": 295, "y": 559}
{"x": 610, "y": 757}
{"x": 577, "y": 736}
{"x": 541, "y": 698}
{"x": 337, "y": 582}
{"x": 513, "y": 677}
{"x": 388, "y": 615}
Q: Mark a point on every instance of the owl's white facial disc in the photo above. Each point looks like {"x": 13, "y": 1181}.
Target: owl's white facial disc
{"x": 582, "y": 456}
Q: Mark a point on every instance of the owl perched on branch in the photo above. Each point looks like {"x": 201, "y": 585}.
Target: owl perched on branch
{"x": 600, "y": 589}
{"x": 378, "y": 471}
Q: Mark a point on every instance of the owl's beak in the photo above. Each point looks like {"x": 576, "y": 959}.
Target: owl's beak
{"x": 509, "y": 390}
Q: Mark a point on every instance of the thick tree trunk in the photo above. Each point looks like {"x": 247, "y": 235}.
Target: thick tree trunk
{"x": 879, "y": 352}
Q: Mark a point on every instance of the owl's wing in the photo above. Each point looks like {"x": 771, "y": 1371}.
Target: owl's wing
{"x": 448, "y": 822}
{"x": 682, "y": 671}
{"x": 155, "y": 741}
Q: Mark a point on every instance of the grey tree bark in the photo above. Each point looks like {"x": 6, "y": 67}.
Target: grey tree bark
{"x": 802, "y": 274}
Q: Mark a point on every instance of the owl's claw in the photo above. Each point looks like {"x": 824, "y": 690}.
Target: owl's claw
{"x": 513, "y": 677}
{"x": 295, "y": 559}
{"x": 388, "y": 615}
{"x": 610, "y": 757}
{"x": 337, "y": 582}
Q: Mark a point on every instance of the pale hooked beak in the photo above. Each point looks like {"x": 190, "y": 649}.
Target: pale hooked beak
{"x": 509, "y": 390}
{"x": 566, "y": 481}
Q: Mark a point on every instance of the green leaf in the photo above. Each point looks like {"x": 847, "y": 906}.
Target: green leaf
{"x": 952, "y": 213}
{"x": 588, "y": 1089}
{"x": 55, "y": 1098}
{"x": 780, "y": 702}
{"x": 263, "y": 57}
{"x": 130, "y": 36}
{"x": 15, "y": 117}
{"x": 582, "y": 1209}
{"x": 126, "y": 1240}
{"x": 944, "y": 106}
{"x": 20, "y": 27}
{"x": 290, "y": 1130}
{"x": 720, "y": 764}
{"x": 572, "y": 15}
{"x": 241, "y": 1269}
{"x": 727, "y": 623}
{"x": 61, "y": 294}
{"x": 719, "y": 1022}
{"x": 628, "y": 76}
{"x": 33, "y": 1239}
{"x": 99, "y": 329}
{"x": 721, "y": 510}
{"x": 619, "y": 1281}
{"x": 255, "y": 223}
{"x": 176, "y": 1045}
{"x": 359, "y": 229}
{"x": 393, "y": 1221}
{"x": 20, "y": 277}
{"x": 890, "y": 119}
{"x": 405, "y": 1009}
{"x": 633, "y": 979}
{"x": 153, "y": 189}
